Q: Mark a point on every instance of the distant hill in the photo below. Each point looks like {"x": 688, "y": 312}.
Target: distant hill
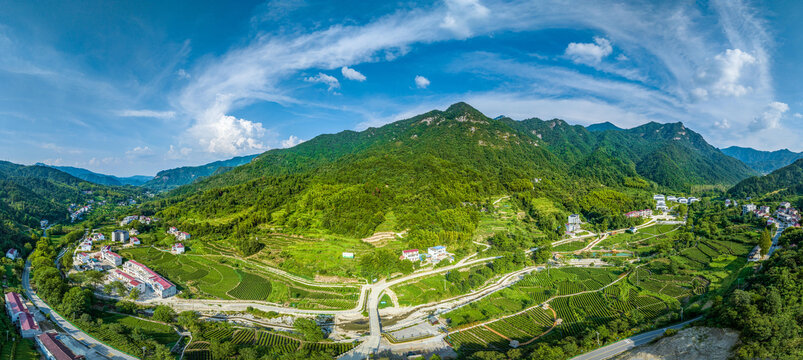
{"x": 603, "y": 127}
{"x": 173, "y": 178}
{"x": 432, "y": 174}
{"x": 763, "y": 161}
{"x": 102, "y": 179}
{"x": 786, "y": 181}
{"x": 31, "y": 193}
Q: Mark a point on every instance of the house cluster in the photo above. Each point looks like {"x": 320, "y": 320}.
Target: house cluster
{"x": 12, "y": 254}
{"x": 77, "y": 212}
{"x": 661, "y": 201}
{"x": 143, "y": 219}
{"x": 18, "y": 312}
{"x": 784, "y": 215}
{"x": 434, "y": 255}
{"x": 639, "y": 213}
{"x": 180, "y": 235}
{"x": 143, "y": 274}
{"x": 573, "y": 223}
{"x": 53, "y": 349}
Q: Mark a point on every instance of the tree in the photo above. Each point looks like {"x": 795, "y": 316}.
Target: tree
{"x": 76, "y": 301}
{"x": 765, "y": 242}
{"x": 222, "y": 350}
{"x": 309, "y": 329}
{"x": 164, "y": 314}
{"x": 134, "y": 294}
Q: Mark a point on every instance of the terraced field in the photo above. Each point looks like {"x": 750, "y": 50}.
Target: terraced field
{"x": 216, "y": 276}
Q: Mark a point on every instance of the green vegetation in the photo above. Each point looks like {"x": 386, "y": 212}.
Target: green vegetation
{"x": 442, "y": 286}
{"x": 780, "y": 184}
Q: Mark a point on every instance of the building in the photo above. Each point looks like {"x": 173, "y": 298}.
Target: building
{"x": 135, "y": 241}
{"x": 178, "y": 248}
{"x": 80, "y": 258}
{"x": 182, "y": 236}
{"x": 661, "y": 205}
{"x": 748, "y": 208}
{"x": 639, "y": 213}
{"x": 28, "y": 326}
{"x": 133, "y": 232}
{"x": 172, "y": 230}
{"x": 53, "y": 349}
{"x": 348, "y": 255}
{"x": 43, "y": 224}
{"x": 15, "y": 306}
{"x": 671, "y": 198}
{"x": 632, "y": 230}
{"x": 786, "y": 205}
{"x": 728, "y": 202}
{"x": 98, "y": 237}
{"x": 85, "y": 246}
{"x": 693, "y": 200}
{"x": 683, "y": 200}
{"x": 120, "y": 236}
{"x": 437, "y": 252}
{"x": 573, "y": 224}
{"x": 160, "y": 285}
{"x": 12, "y": 254}
{"x": 657, "y": 197}
{"x": 112, "y": 257}
{"x": 764, "y": 210}
{"x": 128, "y": 280}
{"x": 411, "y": 255}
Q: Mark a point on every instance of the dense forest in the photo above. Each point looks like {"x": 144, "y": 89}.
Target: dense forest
{"x": 784, "y": 182}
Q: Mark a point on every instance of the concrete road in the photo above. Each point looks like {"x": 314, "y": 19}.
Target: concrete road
{"x": 104, "y": 350}
{"x": 607, "y": 352}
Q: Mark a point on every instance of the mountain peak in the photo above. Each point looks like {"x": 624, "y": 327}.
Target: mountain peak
{"x": 603, "y": 127}
{"x": 459, "y": 109}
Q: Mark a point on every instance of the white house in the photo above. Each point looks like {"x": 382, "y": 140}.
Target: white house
{"x": 43, "y": 223}
{"x": 182, "y": 236}
{"x": 683, "y": 200}
{"x": 661, "y": 206}
{"x": 437, "y": 252}
{"x": 133, "y": 232}
{"x": 178, "y": 248}
{"x": 98, "y": 237}
{"x": 160, "y": 285}
{"x": 28, "y": 326}
{"x": 348, "y": 255}
{"x": 411, "y": 255}
{"x": 658, "y": 197}
{"x": 671, "y": 198}
{"x": 85, "y": 246}
{"x": 574, "y": 223}
{"x": 53, "y": 349}
{"x": 120, "y": 236}
{"x": 128, "y": 280}
{"x": 748, "y": 208}
{"x": 135, "y": 241}
{"x": 786, "y": 205}
{"x": 80, "y": 258}
{"x": 694, "y": 200}
{"x": 15, "y": 306}
{"x": 112, "y": 257}
{"x": 12, "y": 254}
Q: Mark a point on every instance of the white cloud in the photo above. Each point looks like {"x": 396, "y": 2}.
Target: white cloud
{"x": 622, "y": 57}
{"x": 770, "y": 118}
{"x": 731, "y": 65}
{"x": 421, "y": 82}
{"x": 139, "y": 151}
{"x": 180, "y": 153}
{"x": 218, "y": 133}
{"x": 700, "y": 93}
{"x": 147, "y": 114}
{"x": 460, "y": 15}
{"x": 183, "y": 74}
{"x": 724, "y": 124}
{"x": 588, "y": 53}
{"x": 798, "y": 115}
{"x": 322, "y": 78}
{"x": 291, "y": 141}
{"x": 352, "y": 74}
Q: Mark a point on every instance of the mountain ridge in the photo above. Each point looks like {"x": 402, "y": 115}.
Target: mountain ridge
{"x": 763, "y": 161}
{"x": 101, "y": 179}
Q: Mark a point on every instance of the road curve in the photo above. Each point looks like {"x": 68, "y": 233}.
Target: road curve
{"x": 609, "y": 351}
{"x": 69, "y": 329}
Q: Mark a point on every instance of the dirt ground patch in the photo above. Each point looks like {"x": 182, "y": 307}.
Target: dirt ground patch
{"x": 697, "y": 343}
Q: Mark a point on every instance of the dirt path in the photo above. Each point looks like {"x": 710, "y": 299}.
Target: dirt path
{"x": 393, "y": 298}
{"x": 497, "y": 333}
{"x": 554, "y": 324}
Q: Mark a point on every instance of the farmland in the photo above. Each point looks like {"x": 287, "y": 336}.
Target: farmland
{"x": 216, "y": 276}
{"x": 442, "y": 286}
{"x": 276, "y": 343}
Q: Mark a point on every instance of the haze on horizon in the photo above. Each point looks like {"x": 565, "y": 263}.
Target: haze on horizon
{"x": 135, "y": 87}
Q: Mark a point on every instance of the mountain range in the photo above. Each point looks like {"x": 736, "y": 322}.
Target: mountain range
{"x": 431, "y": 173}
{"x": 763, "y": 161}
{"x": 777, "y": 185}
{"x": 101, "y": 179}
{"x": 172, "y": 178}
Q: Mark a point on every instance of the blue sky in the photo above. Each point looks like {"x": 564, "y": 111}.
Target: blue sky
{"x": 125, "y": 87}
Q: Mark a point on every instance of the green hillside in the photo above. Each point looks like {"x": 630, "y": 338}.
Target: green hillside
{"x": 763, "y": 161}
{"x": 31, "y": 193}
{"x": 434, "y": 173}
{"x": 786, "y": 181}
{"x": 173, "y": 178}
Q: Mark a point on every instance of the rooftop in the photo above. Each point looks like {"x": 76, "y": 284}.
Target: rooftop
{"x": 56, "y": 347}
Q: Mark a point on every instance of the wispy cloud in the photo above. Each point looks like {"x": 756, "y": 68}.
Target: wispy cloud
{"x": 147, "y": 114}
{"x": 322, "y": 78}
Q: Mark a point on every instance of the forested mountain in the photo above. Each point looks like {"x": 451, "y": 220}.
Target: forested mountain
{"x": 101, "y": 179}
{"x": 786, "y": 181}
{"x": 31, "y": 193}
{"x": 173, "y": 178}
{"x": 763, "y": 161}
{"x": 433, "y": 173}
{"x": 603, "y": 127}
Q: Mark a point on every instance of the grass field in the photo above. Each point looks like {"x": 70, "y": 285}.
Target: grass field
{"x": 622, "y": 240}
{"x": 218, "y": 276}
{"x": 437, "y": 287}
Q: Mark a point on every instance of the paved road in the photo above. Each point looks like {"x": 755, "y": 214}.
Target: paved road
{"x": 607, "y": 352}
{"x": 69, "y": 329}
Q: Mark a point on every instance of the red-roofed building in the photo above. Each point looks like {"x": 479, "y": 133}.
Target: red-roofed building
{"x": 112, "y": 257}
{"x": 135, "y": 241}
{"x": 411, "y": 255}
{"x": 178, "y": 248}
{"x": 28, "y": 326}
{"x": 53, "y": 349}
{"x": 15, "y": 306}
{"x": 128, "y": 280}
{"x": 160, "y": 285}
{"x": 12, "y": 254}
